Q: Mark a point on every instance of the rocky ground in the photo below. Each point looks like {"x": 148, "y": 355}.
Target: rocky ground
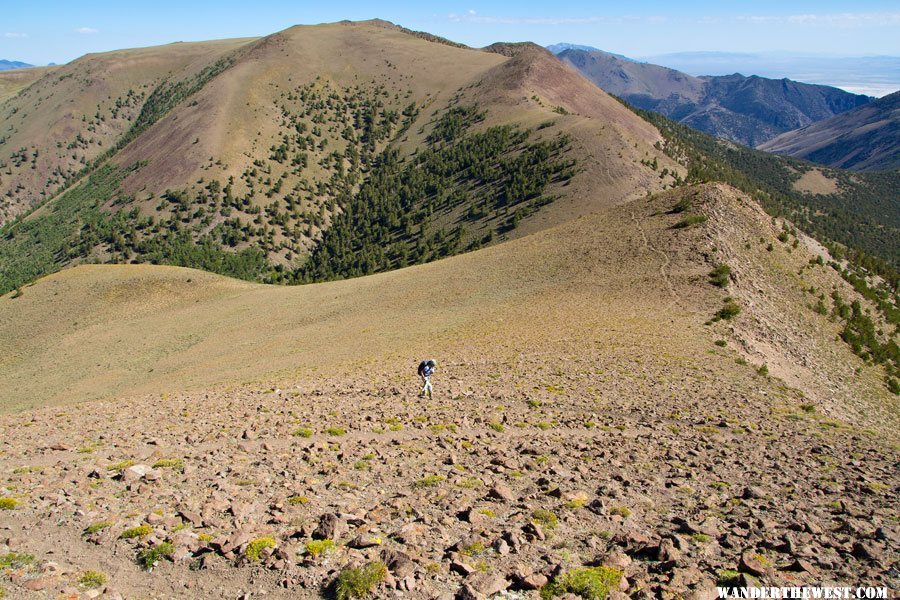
{"x": 592, "y": 430}
{"x": 508, "y": 478}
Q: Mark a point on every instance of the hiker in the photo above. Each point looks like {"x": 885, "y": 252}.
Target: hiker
{"x": 426, "y": 370}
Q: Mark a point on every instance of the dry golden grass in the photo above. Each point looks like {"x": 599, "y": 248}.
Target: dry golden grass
{"x": 620, "y": 284}
{"x": 14, "y": 80}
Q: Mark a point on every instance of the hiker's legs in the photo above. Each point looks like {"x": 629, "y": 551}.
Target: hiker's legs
{"x": 426, "y": 389}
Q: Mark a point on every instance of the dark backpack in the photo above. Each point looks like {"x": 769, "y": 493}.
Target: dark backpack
{"x": 423, "y": 364}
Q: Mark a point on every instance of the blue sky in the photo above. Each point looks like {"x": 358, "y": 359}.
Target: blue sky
{"x": 60, "y": 31}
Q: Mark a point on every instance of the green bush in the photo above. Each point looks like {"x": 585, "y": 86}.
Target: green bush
{"x": 315, "y": 548}
{"x": 361, "y": 581}
{"x": 135, "y": 532}
{"x": 97, "y": 527}
{"x": 730, "y": 310}
{"x": 92, "y": 579}
{"x": 590, "y": 583}
{"x": 720, "y": 276}
{"x": 545, "y": 518}
{"x": 682, "y": 205}
{"x": 150, "y": 557}
{"x": 255, "y": 548}
{"x": 689, "y": 220}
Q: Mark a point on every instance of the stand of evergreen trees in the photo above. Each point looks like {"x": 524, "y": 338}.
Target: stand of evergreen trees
{"x": 391, "y": 221}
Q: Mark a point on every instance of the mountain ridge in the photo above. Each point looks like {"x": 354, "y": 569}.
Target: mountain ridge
{"x": 6, "y": 65}
{"x": 864, "y": 139}
{"x": 748, "y": 110}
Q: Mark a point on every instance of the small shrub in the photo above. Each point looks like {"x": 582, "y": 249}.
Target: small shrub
{"x": 304, "y": 432}
{"x": 728, "y": 577}
{"x": 15, "y": 560}
{"x": 763, "y": 371}
{"x": 121, "y": 466}
{"x": 681, "y": 206}
{"x": 92, "y": 579}
{"x": 622, "y": 511}
{"x": 576, "y": 503}
{"x": 590, "y": 583}
{"x": 545, "y": 518}
{"x": 721, "y": 343}
{"x": 720, "y": 276}
{"x": 9, "y": 504}
{"x": 97, "y": 527}
{"x": 429, "y": 481}
{"x": 729, "y": 311}
{"x": 700, "y": 538}
{"x": 150, "y": 557}
{"x": 496, "y": 426}
{"x": 335, "y": 431}
{"x": 295, "y": 500}
{"x": 473, "y": 549}
{"x": 135, "y": 532}
{"x": 255, "y": 548}
{"x": 317, "y": 548}
{"x": 689, "y": 220}
{"x": 176, "y": 464}
{"x": 361, "y": 581}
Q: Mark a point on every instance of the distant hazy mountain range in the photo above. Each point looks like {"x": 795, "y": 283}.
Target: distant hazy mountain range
{"x": 748, "y": 110}
{"x": 863, "y": 139}
{"x": 6, "y": 65}
{"x": 870, "y": 75}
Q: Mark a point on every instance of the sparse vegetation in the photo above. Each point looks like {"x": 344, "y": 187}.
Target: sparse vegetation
{"x": 9, "y": 503}
{"x": 92, "y": 579}
{"x": 15, "y": 560}
{"x": 545, "y": 518}
{"x": 729, "y": 310}
{"x": 429, "y": 481}
{"x": 254, "y": 549}
{"x": 720, "y": 276}
{"x": 317, "y": 548}
{"x": 136, "y": 532}
{"x": 176, "y": 464}
{"x": 689, "y": 220}
{"x": 97, "y": 527}
{"x": 150, "y": 557}
{"x": 590, "y": 583}
{"x": 359, "y": 582}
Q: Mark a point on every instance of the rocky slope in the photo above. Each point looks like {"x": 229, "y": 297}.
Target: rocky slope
{"x": 590, "y": 412}
{"x": 864, "y": 139}
{"x": 746, "y": 110}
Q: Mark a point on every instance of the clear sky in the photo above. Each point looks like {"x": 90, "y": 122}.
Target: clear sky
{"x": 61, "y": 30}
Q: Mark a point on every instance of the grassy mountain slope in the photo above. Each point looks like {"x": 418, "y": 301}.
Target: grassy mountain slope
{"x": 864, "y": 139}
{"x": 15, "y": 80}
{"x": 746, "y": 110}
{"x": 578, "y": 354}
{"x": 55, "y": 127}
{"x": 244, "y": 173}
{"x": 856, "y": 210}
